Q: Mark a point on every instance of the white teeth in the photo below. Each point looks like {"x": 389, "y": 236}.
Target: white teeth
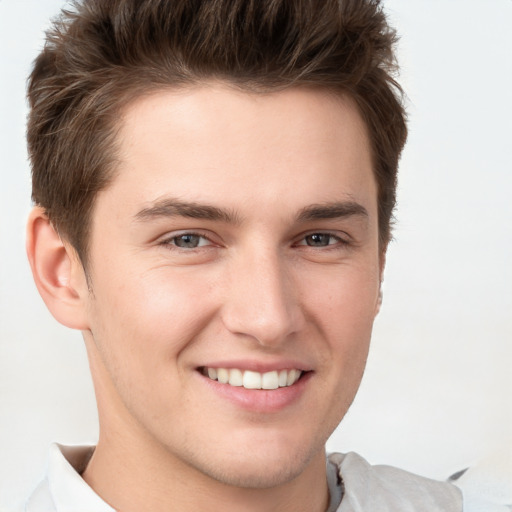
{"x": 222, "y": 375}
{"x": 235, "y": 377}
{"x": 291, "y": 377}
{"x": 270, "y": 380}
{"x": 254, "y": 380}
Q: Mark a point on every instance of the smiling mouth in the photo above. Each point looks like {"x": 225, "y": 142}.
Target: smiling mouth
{"x": 253, "y": 380}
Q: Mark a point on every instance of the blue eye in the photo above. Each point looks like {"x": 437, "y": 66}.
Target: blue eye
{"x": 188, "y": 241}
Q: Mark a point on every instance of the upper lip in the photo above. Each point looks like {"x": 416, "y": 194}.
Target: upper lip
{"x": 259, "y": 366}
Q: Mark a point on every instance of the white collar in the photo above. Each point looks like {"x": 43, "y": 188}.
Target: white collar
{"x": 63, "y": 489}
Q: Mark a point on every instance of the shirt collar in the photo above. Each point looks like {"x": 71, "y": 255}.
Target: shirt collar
{"x": 69, "y": 491}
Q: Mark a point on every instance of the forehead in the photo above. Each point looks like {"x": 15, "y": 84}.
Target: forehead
{"x": 221, "y": 145}
{"x": 211, "y": 111}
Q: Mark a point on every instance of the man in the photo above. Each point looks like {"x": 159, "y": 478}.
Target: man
{"x": 214, "y": 183}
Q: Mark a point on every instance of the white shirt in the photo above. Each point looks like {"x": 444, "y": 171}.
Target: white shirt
{"x": 366, "y": 488}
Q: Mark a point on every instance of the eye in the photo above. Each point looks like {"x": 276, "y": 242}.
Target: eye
{"x": 188, "y": 241}
{"x": 321, "y": 240}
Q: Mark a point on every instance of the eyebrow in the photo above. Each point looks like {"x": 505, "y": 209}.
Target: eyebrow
{"x": 170, "y": 207}
{"x": 334, "y": 210}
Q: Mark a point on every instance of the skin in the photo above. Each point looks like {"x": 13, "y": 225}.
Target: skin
{"x": 269, "y": 284}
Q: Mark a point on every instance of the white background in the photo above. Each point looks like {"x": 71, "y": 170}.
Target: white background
{"x": 437, "y": 391}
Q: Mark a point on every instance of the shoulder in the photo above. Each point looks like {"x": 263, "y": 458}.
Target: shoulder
{"x": 389, "y": 489}
{"x": 487, "y": 485}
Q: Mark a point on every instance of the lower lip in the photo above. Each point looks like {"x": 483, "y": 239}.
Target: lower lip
{"x": 259, "y": 400}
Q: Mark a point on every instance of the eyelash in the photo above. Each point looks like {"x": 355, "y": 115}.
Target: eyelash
{"x": 170, "y": 242}
{"x": 339, "y": 241}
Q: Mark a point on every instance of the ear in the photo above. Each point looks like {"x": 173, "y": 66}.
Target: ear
{"x": 379, "y": 301}
{"x": 382, "y": 265}
{"x": 57, "y": 271}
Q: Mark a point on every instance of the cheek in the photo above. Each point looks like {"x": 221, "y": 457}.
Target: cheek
{"x": 141, "y": 327}
{"x": 343, "y": 310}
{"x": 345, "y": 297}
{"x": 142, "y": 322}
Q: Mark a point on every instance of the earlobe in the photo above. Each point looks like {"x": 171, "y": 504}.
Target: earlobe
{"x": 379, "y": 301}
{"x": 382, "y": 264}
{"x": 57, "y": 272}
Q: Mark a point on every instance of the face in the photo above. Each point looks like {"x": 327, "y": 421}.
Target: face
{"x": 235, "y": 272}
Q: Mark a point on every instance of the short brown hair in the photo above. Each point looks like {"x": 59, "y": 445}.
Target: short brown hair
{"x": 101, "y": 54}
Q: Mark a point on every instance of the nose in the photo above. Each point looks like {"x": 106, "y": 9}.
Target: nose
{"x": 262, "y": 301}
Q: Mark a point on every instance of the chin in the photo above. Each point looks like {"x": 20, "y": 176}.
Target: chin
{"x": 254, "y": 473}
{"x": 262, "y": 464}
